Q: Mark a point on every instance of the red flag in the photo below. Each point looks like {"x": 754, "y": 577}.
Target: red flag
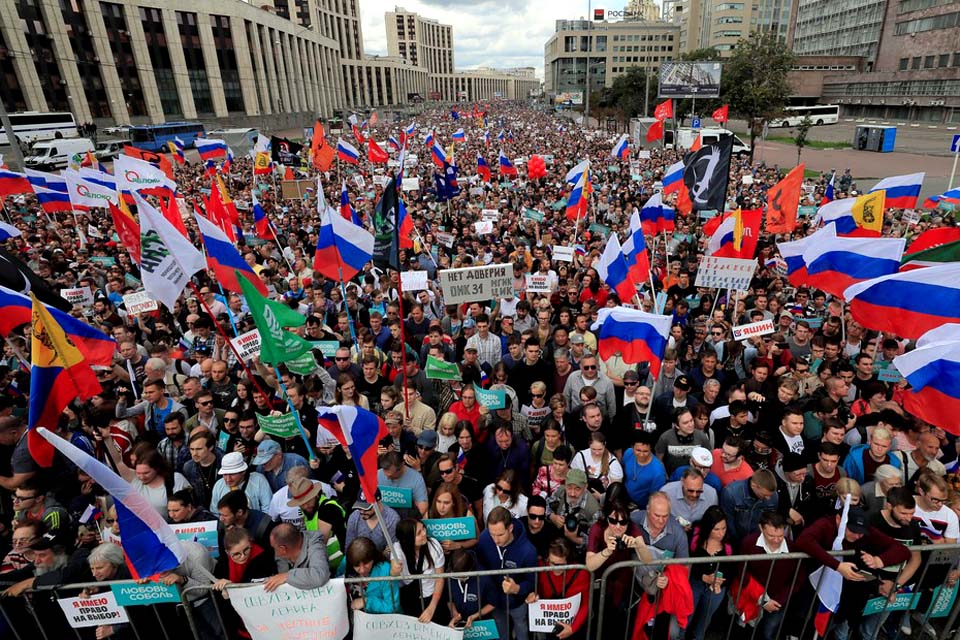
{"x": 934, "y": 238}
{"x": 684, "y": 204}
{"x": 288, "y": 174}
{"x": 172, "y": 213}
{"x": 721, "y": 114}
{"x": 375, "y": 153}
{"x": 655, "y": 132}
{"x": 783, "y": 200}
{"x": 664, "y": 110}
{"x": 373, "y": 118}
{"x": 358, "y": 134}
{"x": 218, "y": 214}
{"x": 696, "y": 143}
{"x": 127, "y": 229}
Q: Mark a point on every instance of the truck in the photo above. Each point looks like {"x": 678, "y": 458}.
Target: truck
{"x": 56, "y": 153}
{"x": 685, "y": 136}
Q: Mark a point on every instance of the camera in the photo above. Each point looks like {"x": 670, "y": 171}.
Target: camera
{"x": 621, "y": 545}
{"x": 571, "y": 523}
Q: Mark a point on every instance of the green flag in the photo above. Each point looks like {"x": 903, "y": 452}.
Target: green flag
{"x": 438, "y": 369}
{"x": 304, "y": 365}
{"x": 282, "y": 426}
{"x": 276, "y": 345}
{"x": 932, "y": 257}
{"x": 490, "y": 398}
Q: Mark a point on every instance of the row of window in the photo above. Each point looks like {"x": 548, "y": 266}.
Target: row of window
{"x": 944, "y": 21}
{"x": 644, "y": 48}
{"x": 907, "y": 6}
{"x": 656, "y": 37}
{"x": 929, "y": 62}
{"x": 894, "y": 89}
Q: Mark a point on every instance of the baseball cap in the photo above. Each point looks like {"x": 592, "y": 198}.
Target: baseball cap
{"x": 428, "y": 439}
{"x": 48, "y": 541}
{"x": 362, "y": 504}
{"x": 576, "y": 338}
{"x": 577, "y": 477}
{"x": 266, "y": 450}
{"x": 702, "y": 456}
{"x": 469, "y": 323}
{"x": 857, "y": 520}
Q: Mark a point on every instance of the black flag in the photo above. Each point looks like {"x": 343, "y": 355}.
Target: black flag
{"x": 285, "y": 152}
{"x": 706, "y": 174}
{"x": 386, "y": 242}
{"x": 17, "y": 276}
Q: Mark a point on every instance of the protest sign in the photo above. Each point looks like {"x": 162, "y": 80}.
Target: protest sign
{"x": 289, "y": 613}
{"x": 890, "y": 375}
{"x": 491, "y": 398}
{"x": 438, "y": 369}
{"x": 368, "y": 626}
{"x": 489, "y": 214}
{"x": 78, "y": 296}
{"x": 414, "y": 280}
{"x": 97, "y": 610}
{"x": 106, "y": 261}
{"x": 247, "y": 344}
{"x": 204, "y": 533}
{"x": 327, "y": 347}
{"x": 942, "y": 601}
{"x": 397, "y": 497}
{"x": 643, "y": 154}
{"x": 476, "y": 191}
{"x": 411, "y": 184}
{"x": 601, "y": 229}
{"x": 725, "y": 273}
{"x": 537, "y": 283}
{"x": 482, "y": 630}
{"x": 544, "y": 614}
{"x": 131, "y": 594}
{"x": 531, "y": 214}
{"x": 452, "y": 528}
{"x": 305, "y": 364}
{"x": 806, "y": 211}
{"x": 282, "y": 426}
{"x": 562, "y": 254}
{"x": 139, "y": 302}
{"x": 446, "y": 239}
{"x": 911, "y": 216}
{"x": 745, "y": 331}
{"x": 483, "y": 227}
{"x": 903, "y": 602}
{"x": 476, "y": 283}
{"x": 93, "y": 232}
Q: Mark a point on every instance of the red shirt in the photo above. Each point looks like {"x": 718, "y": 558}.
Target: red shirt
{"x": 462, "y": 413}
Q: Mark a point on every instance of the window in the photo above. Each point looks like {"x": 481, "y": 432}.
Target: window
{"x": 928, "y": 62}
{"x": 943, "y": 21}
{"x": 956, "y": 59}
{"x": 904, "y": 63}
{"x": 944, "y": 60}
{"x": 915, "y": 64}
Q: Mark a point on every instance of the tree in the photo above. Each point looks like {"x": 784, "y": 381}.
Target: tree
{"x": 626, "y": 94}
{"x": 801, "y": 138}
{"x": 755, "y": 80}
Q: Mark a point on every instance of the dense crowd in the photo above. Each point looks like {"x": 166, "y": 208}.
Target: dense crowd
{"x": 737, "y": 447}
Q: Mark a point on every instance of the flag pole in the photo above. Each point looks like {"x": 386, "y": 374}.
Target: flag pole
{"x": 296, "y": 414}
{"x": 403, "y": 331}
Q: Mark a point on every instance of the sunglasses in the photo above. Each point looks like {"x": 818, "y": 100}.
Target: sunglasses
{"x": 205, "y": 403}
{"x": 589, "y": 367}
{"x": 536, "y": 516}
{"x": 231, "y": 420}
{"x": 501, "y": 489}
{"x": 537, "y": 395}
{"x": 342, "y": 359}
{"x": 446, "y": 472}
{"x": 619, "y": 521}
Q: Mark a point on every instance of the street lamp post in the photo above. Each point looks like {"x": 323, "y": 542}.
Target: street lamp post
{"x": 586, "y": 111}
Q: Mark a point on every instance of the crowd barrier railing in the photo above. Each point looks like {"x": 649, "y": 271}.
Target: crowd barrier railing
{"x": 36, "y": 614}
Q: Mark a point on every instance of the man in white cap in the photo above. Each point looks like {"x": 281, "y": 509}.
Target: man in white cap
{"x": 701, "y": 459}
{"x": 234, "y": 474}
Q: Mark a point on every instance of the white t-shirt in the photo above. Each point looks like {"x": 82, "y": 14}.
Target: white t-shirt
{"x": 934, "y": 525}
{"x": 427, "y": 587}
{"x": 585, "y": 461}
{"x": 157, "y": 497}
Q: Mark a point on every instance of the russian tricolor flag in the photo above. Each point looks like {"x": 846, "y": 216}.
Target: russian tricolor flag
{"x": 635, "y": 251}
{"x": 8, "y": 231}
{"x": 613, "y": 270}
{"x": 840, "y": 213}
{"x": 573, "y": 176}
{"x": 933, "y": 371}
{"x": 46, "y": 180}
{"x": 211, "y": 148}
{"x": 506, "y": 167}
{"x": 952, "y": 196}
{"x": 483, "y": 169}
{"x": 636, "y": 335}
{"x": 13, "y": 183}
{"x": 360, "y": 430}
{"x": 438, "y": 155}
{"x": 394, "y": 144}
{"x": 224, "y": 258}
{"x": 52, "y": 201}
{"x": 622, "y": 149}
{"x": 404, "y": 225}
{"x": 261, "y": 223}
{"x": 828, "y": 194}
{"x": 347, "y": 212}
{"x": 792, "y": 253}
{"x": 343, "y": 248}
{"x": 577, "y": 200}
{"x": 835, "y": 264}
{"x": 902, "y": 191}
{"x": 429, "y": 140}
{"x": 347, "y": 152}
{"x": 655, "y": 217}
{"x": 909, "y": 303}
{"x": 459, "y": 134}
{"x": 673, "y": 178}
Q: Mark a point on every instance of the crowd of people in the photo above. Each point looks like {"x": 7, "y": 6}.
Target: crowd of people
{"x": 753, "y": 446}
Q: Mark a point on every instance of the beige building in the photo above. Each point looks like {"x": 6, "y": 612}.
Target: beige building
{"x": 610, "y": 49}
{"x": 720, "y": 24}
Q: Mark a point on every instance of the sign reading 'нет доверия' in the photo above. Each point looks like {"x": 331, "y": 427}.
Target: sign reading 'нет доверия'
{"x": 476, "y": 283}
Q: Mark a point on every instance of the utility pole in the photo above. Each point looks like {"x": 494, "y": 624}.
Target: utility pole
{"x": 11, "y": 139}
{"x": 586, "y": 112}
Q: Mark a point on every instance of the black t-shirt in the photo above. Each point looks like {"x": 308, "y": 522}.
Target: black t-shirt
{"x": 542, "y": 539}
{"x": 371, "y": 389}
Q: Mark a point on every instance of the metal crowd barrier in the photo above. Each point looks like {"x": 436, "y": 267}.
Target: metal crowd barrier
{"x": 32, "y": 615}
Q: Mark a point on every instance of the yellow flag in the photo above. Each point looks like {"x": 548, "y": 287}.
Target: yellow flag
{"x": 738, "y": 229}
{"x": 868, "y": 211}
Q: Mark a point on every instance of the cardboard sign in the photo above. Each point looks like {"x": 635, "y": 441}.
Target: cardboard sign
{"x": 943, "y": 599}
{"x": 544, "y": 614}
{"x": 911, "y": 216}
{"x": 247, "y": 344}
{"x": 483, "y": 227}
{"x": 753, "y": 329}
{"x": 97, "y": 610}
{"x": 368, "y": 626}
{"x": 452, "y": 528}
{"x": 131, "y": 594}
{"x": 296, "y": 189}
{"x": 537, "y": 283}
{"x": 446, "y": 239}
{"x": 414, "y": 280}
{"x": 282, "y": 426}
{"x": 411, "y": 184}
{"x": 359, "y": 181}
{"x": 289, "y": 612}
{"x": 725, "y": 273}
{"x": 139, "y": 302}
{"x": 397, "y": 497}
{"x": 79, "y": 296}
{"x": 489, "y": 214}
{"x": 601, "y": 229}
{"x": 482, "y": 630}
{"x": 903, "y": 602}
{"x": 890, "y": 375}
{"x": 562, "y": 254}
{"x": 204, "y": 533}
{"x": 476, "y": 283}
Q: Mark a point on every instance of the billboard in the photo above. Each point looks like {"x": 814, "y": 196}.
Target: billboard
{"x": 569, "y": 98}
{"x": 690, "y": 79}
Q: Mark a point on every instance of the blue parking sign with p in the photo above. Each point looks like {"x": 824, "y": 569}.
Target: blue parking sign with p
{"x": 695, "y": 123}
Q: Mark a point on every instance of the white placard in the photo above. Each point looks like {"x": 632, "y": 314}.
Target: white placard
{"x": 411, "y": 184}
{"x": 911, "y": 216}
{"x": 247, "y": 344}
{"x": 80, "y": 295}
{"x": 446, "y": 239}
{"x": 476, "y": 191}
{"x": 490, "y": 214}
{"x": 544, "y": 614}
{"x": 537, "y": 283}
{"x": 725, "y": 273}
{"x": 747, "y": 179}
{"x": 482, "y": 227}
{"x": 381, "y": 181}
{"x": 139, "y": 302}
{"x": 562, "y": 254}
{"x": 97, "y": 610}
{"x": 753, "y": 329}
{"x": 476, "y": 283}
{"x": 368, "y": 626}
{"x": 643, "y": 154}
{"x": 93, "y": 232}
{"x": 359, "y": 181}
{"x": 289, "y": 612}
{"x": 414, "y": 280}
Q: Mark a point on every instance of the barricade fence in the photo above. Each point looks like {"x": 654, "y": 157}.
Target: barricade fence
{"x": 613, "y": 599}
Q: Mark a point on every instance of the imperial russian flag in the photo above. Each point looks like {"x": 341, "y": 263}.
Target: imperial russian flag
{"x": 909, "y": 303}
{"x": 635, "y": 251}
{"x": 13, "y": 183}
{"x": 261, "y": 224}
{"x": 343, "y": 248}
{"x": 902, "y": 191}
{"x": 792, "y": 254}
{"x": 613, "y": 270}
{"x": 933, "y": 371}
{"x": 483, "y": 169}
{"x": 835, "y": 264}
{"x": 360, "y": 430}
{"x": 673, "y": 178}
{"x": 347, "y": 152}
{"x": 224, "y": 258}
{"x": 622, "y": 149}
{"x": 211, "y": 148}
{"x": 637, "y": 336}
{"x": 506, "y": 167}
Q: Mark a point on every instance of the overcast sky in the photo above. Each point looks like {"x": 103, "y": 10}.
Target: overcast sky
{"x": 486, "y": 33}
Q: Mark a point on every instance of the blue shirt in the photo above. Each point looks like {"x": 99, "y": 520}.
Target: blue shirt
{"x": 642, "y": 480}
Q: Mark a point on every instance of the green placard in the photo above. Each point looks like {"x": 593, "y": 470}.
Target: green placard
{"x": 438, "y": 369}
{"x": 559, "y": 204}
{"x": 946, "y": 206}
{"x": 397, "y": 497}
{"x": 806, "y": 211}
{"x": 327, "y": 347}
{"x": 530, "y": 214}
{"x": 282, "y": 426}
{"x": 452, "y": 528}
{"x": 107, "y": 261}
{"x": 304, "y": 365}
{"x": 602, "y": 229}
{"x": 942, "y": 601}
{"x": 481, "y": 630}
{"x": 903, "y": 602}
{"x": 491, "y": 398}
{"x": 130, "y": 594}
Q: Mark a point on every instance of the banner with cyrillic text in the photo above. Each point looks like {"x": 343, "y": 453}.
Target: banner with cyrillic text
{"x": 544, "y": 614}
{"x": 290, "y": 613}
{"x": 476, "y": 283}
{"x": 368, "y": 626}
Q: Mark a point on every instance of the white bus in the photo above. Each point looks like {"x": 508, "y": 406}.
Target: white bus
{"x": 818, "y": 113}
{"x": 30, "y": 126}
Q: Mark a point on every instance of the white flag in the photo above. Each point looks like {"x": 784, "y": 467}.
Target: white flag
{"x": 134, "y": 174}
{"x": 85, "y": 193}
{"x": 167, "y": 259}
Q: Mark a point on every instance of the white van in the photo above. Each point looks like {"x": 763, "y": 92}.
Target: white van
{"x": 56, "y": 154}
